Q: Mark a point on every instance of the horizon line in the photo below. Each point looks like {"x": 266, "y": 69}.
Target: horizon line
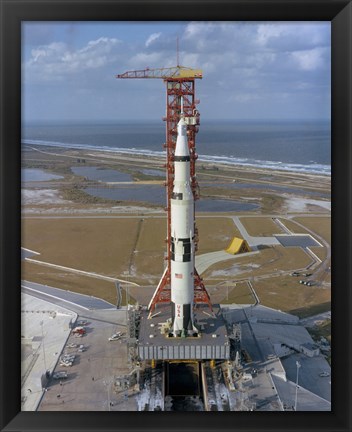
{"x": 144, "y": 120}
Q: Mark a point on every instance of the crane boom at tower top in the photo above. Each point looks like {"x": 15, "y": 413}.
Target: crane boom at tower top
{"x": 177, "y": 72}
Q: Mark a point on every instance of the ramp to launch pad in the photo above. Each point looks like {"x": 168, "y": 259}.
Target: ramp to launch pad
{"x": 238, "y": 246}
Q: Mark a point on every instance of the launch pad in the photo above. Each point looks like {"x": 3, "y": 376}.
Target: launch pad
{"x": 211, "y": 344}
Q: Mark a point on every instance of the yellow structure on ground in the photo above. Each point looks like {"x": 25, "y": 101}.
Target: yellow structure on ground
{"x": 238, "y": 246}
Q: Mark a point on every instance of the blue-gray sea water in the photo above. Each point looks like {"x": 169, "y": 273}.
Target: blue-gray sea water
{"x": 300, "y": 146}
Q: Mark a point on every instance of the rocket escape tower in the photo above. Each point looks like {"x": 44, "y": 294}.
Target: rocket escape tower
{"x": 180, "y": 89}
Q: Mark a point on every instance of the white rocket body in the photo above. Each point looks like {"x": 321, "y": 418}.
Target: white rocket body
{"x": 182, "y": 239}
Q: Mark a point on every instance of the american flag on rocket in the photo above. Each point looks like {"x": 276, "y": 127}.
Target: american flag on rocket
{"x": 179, "y": 275}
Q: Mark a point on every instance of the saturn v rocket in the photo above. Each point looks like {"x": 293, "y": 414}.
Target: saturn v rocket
{"x": 182, "y": 239}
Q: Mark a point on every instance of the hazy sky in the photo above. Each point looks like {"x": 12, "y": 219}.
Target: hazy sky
{"x": 251, "y": 70}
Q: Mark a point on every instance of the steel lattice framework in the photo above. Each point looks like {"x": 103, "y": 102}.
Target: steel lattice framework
{"x": 180, "y": 85}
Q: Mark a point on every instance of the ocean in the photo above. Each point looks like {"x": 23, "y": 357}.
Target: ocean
{"x": 303, "y": 146}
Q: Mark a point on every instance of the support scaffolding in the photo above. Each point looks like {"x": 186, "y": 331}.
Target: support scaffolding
{"x": 180, "y": 85}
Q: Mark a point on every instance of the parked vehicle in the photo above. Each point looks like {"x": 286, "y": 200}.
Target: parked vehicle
{"x": 324, "y": 374}
{"x": 295, "y": 274}
{"x": 115, "y": 336}
{"x": 72, "y": 345}
{"x": 80, "y": 330}
{"x": 68, "y": 358}
{"x": 68, "y": 355}
{"x": 60, "y": 375}
{"x": 66, "y": 364}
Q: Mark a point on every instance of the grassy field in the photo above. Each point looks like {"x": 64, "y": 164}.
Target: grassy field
{"x": 268, "y": 260}
{"x": 148, "y": 261}
{"x": 116, "y": 247}
{"x": 293, "y": 227}
{"x": 260, "y": 226}
{"x": 133, "y": 249}
{"x": 313, "y": 308}
{"x": 102, "y": 246}
{"x": 320, "y": 252}
{"x": 286, "y": 294}
{"x": 215, "y": 233}
{"x": 320, "y": 225}
{"x": 69, "y": 281}
{"x": 238, "y": 293}
{"x": 281, "y": 292}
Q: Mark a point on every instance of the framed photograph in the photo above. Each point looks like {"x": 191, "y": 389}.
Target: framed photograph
{"x": 134, "y": 278}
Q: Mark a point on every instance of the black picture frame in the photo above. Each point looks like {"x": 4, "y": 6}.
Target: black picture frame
{"x": 339, "y": 12}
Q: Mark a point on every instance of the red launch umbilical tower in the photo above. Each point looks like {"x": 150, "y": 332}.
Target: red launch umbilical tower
{"x": 180, "y": 86}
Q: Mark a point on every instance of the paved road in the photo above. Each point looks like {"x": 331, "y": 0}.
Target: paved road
{"x": 324, "y": 267}
{"x": 253, "y": 242}
{"x": 67, "y": 299}
{"x": 26, "y": 253}
{"x": 206, "y": 260}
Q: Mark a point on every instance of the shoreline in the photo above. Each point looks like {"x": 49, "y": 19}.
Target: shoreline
{"x": 158, "y": 156}
{"x": 217, "y": 181}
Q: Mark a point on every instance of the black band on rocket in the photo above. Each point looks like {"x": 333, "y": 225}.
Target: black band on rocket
{"x": 182, "y": 158}
{"x": 186, "y": 249}
{"x": 177, "y": 195}
{"x": 184, "y": 240}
